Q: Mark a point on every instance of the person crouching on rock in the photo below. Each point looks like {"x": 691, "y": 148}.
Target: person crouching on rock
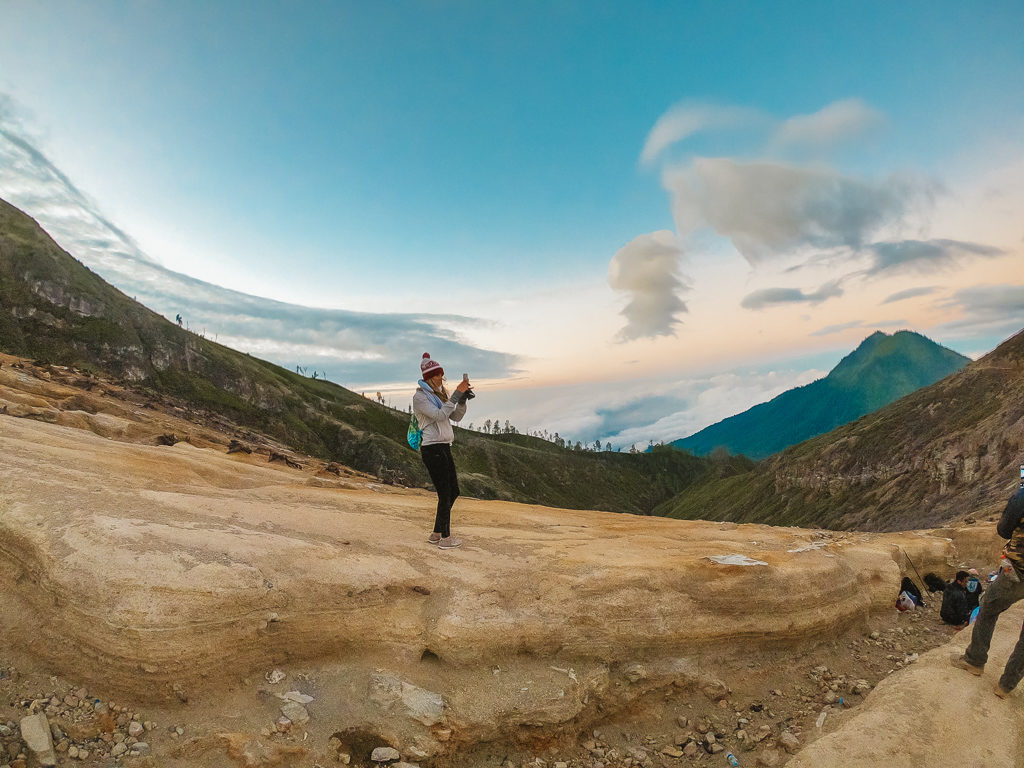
{"x": 955, "y": 608}
{"x": 1006, "y": 590}
{"x": 435, "y": 411}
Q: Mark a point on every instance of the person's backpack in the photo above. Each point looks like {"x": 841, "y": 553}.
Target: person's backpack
{"x": 414, "y": 434}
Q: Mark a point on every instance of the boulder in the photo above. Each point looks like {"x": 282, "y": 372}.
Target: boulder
{"x": 35, "y": 732}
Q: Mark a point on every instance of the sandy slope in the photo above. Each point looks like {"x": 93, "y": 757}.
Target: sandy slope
{"x": 932, "y": 715}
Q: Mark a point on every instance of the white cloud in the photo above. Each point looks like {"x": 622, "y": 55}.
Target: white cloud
{"x": 838, "y": 122}
{"x": 647, "y": 269}
{"x": 773, "y": 209}
{"x": 686, "y": 119}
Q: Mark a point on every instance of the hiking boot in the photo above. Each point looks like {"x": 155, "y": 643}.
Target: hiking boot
{"x": 449, "y": 542}
{"x": 435, "y": 538}
{"x": 1001, "y": 692}
{"x": 961, "y": 663}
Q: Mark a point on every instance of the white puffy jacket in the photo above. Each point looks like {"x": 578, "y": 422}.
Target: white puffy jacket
{"x": 435, "y": 418}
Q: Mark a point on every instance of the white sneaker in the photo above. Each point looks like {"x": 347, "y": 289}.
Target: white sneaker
{"x": 450, "y": 542}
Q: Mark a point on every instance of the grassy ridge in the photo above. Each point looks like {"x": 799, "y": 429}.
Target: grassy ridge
{"x": 54, "y": 308}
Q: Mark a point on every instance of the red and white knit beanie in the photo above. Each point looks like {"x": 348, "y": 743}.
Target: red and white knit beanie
{"x": 430, "y": 368}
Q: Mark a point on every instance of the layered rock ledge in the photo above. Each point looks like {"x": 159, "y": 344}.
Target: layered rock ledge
{"x": 169, "y": 565}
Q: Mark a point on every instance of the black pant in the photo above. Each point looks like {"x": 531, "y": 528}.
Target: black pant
{"x": 441, "y": 466}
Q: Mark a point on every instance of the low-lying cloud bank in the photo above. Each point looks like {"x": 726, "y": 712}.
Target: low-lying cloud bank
{"x": 355, "y": 349}
{"x": 639, "y": 412}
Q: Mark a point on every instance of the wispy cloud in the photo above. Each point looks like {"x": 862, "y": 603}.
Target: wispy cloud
{"x": 985, "y": 309}
{"x": 354, "y": 348}
{"x": 647, "y": 270}
{"x": 772, "y": 296}
{"x": 919, "y": 255}
{"x": 833, "y": 124}
{"x": 686, "y": 119}
{"x": 909, "y": 293}
{"x": 828, "y": 330}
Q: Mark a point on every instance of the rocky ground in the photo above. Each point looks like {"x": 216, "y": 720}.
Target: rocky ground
{"x": 772, "y": 706}
{"x": 179, "y": 603}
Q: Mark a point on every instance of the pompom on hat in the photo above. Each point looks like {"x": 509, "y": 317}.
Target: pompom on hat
{"x": 430, "y": 368}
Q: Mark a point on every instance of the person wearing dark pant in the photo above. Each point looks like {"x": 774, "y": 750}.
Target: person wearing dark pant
{"x": 441, "y": 466}
{"x": 1006, "y": 590}
{"x": 435, "y": 411}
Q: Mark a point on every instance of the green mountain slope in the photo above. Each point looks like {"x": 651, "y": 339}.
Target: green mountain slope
{"x": 946, "y": 451}
{"x": 881, "y": 370}
{"x": 54, "y": 309}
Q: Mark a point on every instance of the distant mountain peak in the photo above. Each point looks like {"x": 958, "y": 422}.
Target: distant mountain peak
{"x": 883, "y": 368}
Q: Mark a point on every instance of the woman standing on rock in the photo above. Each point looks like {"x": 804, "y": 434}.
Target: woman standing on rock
{"x": 435, "y": 410}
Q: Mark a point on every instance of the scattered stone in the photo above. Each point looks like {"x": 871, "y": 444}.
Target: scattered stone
{"x": 861, "y": 687}
{"x": 769, "y": 758}
{"x": 789, "y": 742}
{"x": 385, "y": 755}
{"x": 635, "y": 672}
{"x": 35, "y": 732}
{"x": 716, "y": 690}
{"x": 875, "y": 635}
{"x": 443, "y": 734}
{"x": 715, "y": 748}
{"x": 422, "y": 705}
{"x": 295, "y": 712}
{"x": 135, "y": 728}
{"x": 670, "y": 751}
{"x": 298, "y": 698}
{"x": 119, "y": 749}
{"x": 141, "y": 747}
{"x": 691, "y": 749}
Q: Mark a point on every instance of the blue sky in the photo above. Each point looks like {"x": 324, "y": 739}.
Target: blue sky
{"x": 479, "y": 170}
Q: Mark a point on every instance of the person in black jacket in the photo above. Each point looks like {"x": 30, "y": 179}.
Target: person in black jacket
{"x": 955, "y": 608}
{"x": 1006, "y": 590}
